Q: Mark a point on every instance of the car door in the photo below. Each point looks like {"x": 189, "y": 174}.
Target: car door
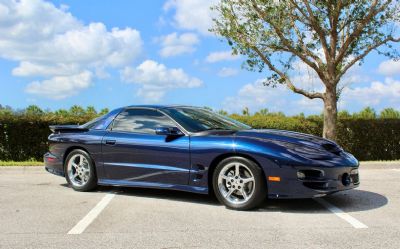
{"x": 133, "y": 153}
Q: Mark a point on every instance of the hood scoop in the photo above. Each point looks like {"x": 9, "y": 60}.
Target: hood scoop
{"x": 333, "y": 148}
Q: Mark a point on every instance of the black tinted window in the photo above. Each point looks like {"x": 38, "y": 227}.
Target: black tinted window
{"x": 141, "y": 120}
{"x": 197, "y": 119}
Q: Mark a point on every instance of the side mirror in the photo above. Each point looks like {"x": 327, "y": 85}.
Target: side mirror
{"x": 169, "y": 131}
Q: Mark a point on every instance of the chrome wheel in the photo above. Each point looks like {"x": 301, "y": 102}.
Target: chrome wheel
{"x": 236, "y": 183}
{"x": 78, "y": 170}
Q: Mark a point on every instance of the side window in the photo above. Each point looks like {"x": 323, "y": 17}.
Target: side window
{"x": 141, "y": 121}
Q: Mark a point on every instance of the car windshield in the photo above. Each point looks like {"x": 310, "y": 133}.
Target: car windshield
{"x": 198, "y": 119}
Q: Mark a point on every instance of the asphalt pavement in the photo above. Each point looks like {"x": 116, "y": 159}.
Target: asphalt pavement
{"x": 39, "y": 210}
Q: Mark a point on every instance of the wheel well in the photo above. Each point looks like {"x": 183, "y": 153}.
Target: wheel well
{"x": 219, "y": 158}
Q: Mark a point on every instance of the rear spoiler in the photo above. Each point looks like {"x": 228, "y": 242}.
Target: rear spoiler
{"x": 67, "y": 128}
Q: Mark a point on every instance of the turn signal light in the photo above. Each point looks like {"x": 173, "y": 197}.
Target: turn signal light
{"x": 274, "y": 178}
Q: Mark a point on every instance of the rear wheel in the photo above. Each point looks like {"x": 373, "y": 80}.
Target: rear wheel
{"x": 79, "y": 171}
{"x": 239, "y": 183}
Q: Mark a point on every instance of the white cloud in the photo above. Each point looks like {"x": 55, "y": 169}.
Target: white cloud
{"x": 227, "y": 72}
{"x": 174, "y": 44}
{"x": 192, "y": 14}
{"x": 389, "y": 68}
{"x": 60, "y": 87}
{"x": 256, "y": 96}
{"x": 49, "y": 42}
{"x": 156, "y": 79}
{"x": 221, "y": 56}
{"x": 387, "y": 92}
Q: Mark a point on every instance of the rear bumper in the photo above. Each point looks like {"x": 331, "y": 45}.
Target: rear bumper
{"x": 53, "y": 164}
{"x": 318, "y": 181}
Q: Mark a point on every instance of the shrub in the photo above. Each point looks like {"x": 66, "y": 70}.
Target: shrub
{"x": 24, "y": 136}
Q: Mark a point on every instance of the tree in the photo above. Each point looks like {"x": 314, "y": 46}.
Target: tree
{"x": 246, "y": 111}
{"x": 77, "y": 110}
{"x": 104, "y": 111}
{"x": 344, "y": 114}
{"x": 389, "y": 113}
{"x": 34, "y": 110}
{"x": 62, "y": 112}
{"x": 222, "y": 112}
{"x": 366, "y": 113}
{"x": 262, "y": 112}
{"x": 91, "y": 111}
{"x": 328, "y": 36}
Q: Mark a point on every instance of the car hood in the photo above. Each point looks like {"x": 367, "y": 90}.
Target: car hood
{"x": 290, "y": 138}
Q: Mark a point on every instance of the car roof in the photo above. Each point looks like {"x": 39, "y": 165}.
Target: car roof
{"x": 160, "y": 106}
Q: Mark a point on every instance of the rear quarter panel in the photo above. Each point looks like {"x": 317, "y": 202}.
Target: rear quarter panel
{"x": 90, "y": 141}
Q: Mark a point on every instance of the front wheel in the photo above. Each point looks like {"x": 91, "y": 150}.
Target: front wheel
{"x": 79, "y": 171}
{"x": 239, "y": 183}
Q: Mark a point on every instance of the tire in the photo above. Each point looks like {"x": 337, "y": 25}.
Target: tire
{"x": 80, "y": 171}
{"x": 240, "y": 191}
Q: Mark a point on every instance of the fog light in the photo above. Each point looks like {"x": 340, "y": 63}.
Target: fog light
{"x": 300, "y": 175}
{"x": 346, "y": 180}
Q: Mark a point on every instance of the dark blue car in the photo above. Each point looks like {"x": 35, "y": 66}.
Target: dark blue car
{"x": 193, "y": 149}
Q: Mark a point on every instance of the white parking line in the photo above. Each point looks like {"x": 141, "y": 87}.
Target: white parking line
{"x": 341, "y": 214}
{"x": 91, "y": 216}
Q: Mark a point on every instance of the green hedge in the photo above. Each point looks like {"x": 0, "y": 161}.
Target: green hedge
{"x": 25, "y": 137}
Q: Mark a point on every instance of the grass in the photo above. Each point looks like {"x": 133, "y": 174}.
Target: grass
{"x": 24, "y": 163}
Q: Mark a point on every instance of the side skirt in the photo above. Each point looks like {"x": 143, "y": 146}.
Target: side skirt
{"x": 122, "y": 183}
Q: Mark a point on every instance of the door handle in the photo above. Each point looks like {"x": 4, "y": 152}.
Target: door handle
{"x": 110, "y": 142}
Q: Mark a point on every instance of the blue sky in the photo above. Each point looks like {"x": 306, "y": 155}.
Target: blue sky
{"x": 55, "y": 54}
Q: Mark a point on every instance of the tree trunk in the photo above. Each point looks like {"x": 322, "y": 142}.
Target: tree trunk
{"x": 330, "y": 114}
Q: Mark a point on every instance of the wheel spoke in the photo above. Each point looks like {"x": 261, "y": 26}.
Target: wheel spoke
{"x": 81, "y": 158}
{"x": 225, "y": 177}
{"x": 244, "y": 194}
{"x": 237, "y": 166}
{"x": 229, "y": 192}
{"x": 247, "y": 180}
{"x": 74, "y": 165}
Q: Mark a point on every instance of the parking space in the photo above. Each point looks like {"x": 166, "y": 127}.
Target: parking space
{"x": 39, "y": 210}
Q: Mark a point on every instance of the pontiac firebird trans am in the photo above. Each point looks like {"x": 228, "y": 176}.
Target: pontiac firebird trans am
{"x": 193, "y": 149}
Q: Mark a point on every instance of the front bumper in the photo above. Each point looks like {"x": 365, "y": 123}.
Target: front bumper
{"x": 53, "y": 164}
{"x": 313, "y": 181}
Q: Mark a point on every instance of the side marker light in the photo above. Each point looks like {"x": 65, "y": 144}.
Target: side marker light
{"x": 274, "y": 178}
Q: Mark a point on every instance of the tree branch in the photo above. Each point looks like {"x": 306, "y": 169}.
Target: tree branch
{"x": 359, "y": 28}
{"x": 318, "y": 29}
{"x": 365, "y": 53}
{"x": 290, "y": 85}
{"x": 288, "y": 44}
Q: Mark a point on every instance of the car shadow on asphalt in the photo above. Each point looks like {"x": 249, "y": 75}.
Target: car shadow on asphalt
{"x": 349, "y": 201}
